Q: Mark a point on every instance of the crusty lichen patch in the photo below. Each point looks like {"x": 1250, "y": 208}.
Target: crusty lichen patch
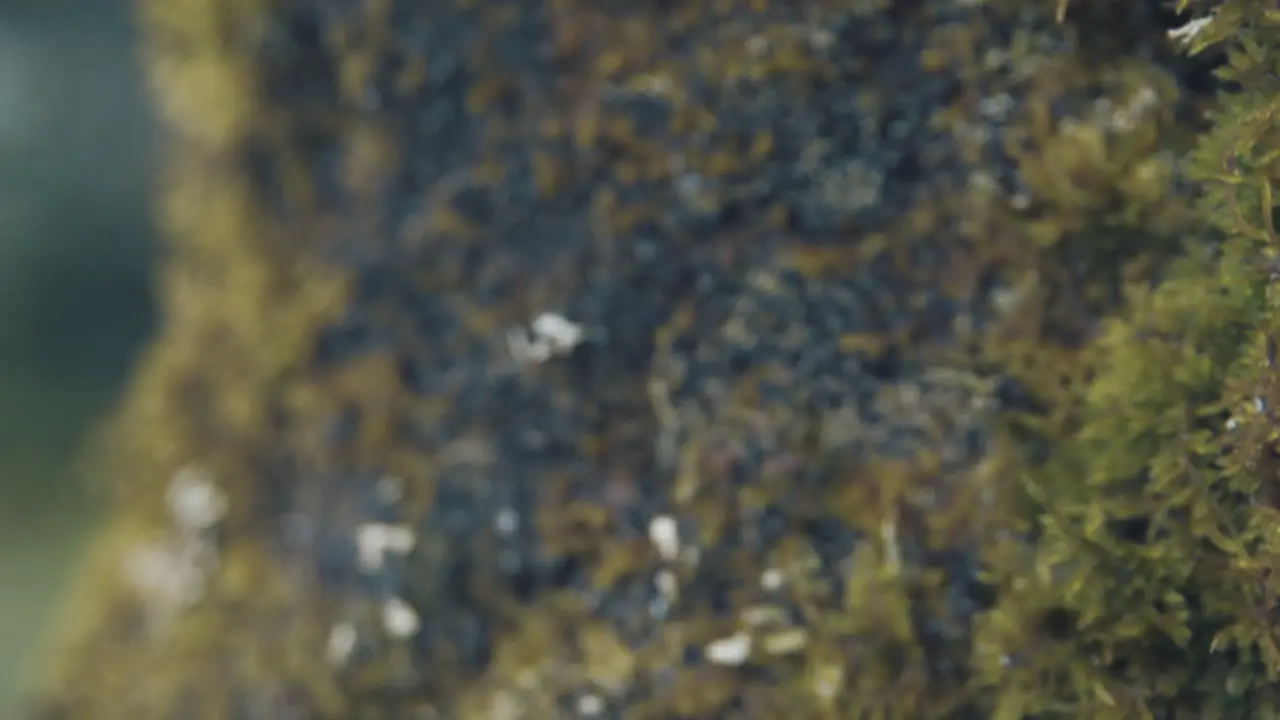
{"x": 554, "y": 358}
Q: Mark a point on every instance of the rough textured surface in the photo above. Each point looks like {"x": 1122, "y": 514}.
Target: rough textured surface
{"x": 844, "y": 433}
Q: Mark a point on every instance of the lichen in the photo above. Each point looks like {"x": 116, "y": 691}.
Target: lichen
{"x": 558, "y": 358}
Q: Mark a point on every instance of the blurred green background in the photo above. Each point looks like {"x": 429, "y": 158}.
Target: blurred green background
{"x": 76, "y": 165}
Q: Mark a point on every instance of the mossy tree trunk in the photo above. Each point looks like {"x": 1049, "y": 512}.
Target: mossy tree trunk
{"x": 557, "y": 358}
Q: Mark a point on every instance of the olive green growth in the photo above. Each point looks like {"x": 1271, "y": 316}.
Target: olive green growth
{"x": 1157, "y": 518}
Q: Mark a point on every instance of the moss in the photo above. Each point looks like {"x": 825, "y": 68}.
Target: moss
{"x": 940, "y": 333}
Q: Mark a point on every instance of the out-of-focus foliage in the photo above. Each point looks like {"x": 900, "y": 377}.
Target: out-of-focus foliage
{"x": 74, "y": 287}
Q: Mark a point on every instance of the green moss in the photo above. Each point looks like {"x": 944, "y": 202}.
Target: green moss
{"x": 1154, "y": 536}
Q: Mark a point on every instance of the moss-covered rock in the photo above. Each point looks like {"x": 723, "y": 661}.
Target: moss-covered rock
{"x": 565, "y": 358}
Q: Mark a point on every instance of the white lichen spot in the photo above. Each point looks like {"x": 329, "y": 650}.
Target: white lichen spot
{"x": 168, "y": 577}
{"x": 195, "y": 501}
{"x": 342, "y": 641}
{"x": 506, "y": 522}
{"x": 772, "y": 579}
{"x": 375, "y": 540}
{"x": 731, "y": 651}
{"x": 552, "y": 334}
{"x": 664, "y": 533}
{"x": 559, "y": 332}
{"x": 170, "y": 574}
{"x": 590, "y": 705}
{"x": 526, "y": 351}
{"x": 399, "y": 618}
{"x": 1186, "y": 33}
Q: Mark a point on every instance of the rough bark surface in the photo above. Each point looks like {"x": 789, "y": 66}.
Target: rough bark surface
{"x": 578, "y": 358}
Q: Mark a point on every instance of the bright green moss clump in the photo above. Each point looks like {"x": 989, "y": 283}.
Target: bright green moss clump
{"x": 1157, "y": 516}
{"x": 560, "y": 358}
